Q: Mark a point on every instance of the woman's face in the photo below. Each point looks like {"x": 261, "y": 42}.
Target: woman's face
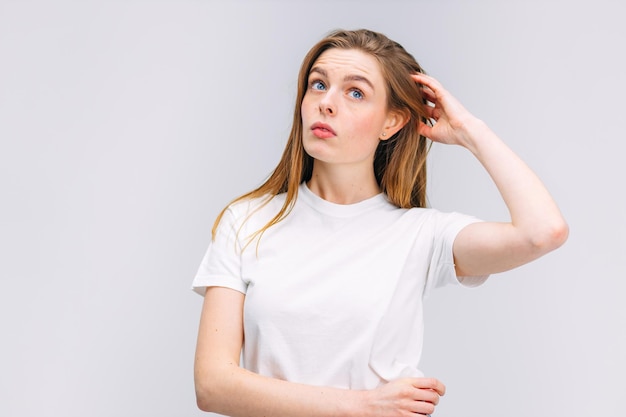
{"x": 344, "y": 110}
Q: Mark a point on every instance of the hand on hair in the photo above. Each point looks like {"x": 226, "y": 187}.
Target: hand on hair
{"x": 451, "y": 121}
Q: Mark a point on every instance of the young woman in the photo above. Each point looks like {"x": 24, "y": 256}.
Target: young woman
{"x": 324, "y": 266}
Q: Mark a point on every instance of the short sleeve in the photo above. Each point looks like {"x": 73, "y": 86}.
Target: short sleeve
{"x": 441, "y": 271}
{"x": 221, "y": 264}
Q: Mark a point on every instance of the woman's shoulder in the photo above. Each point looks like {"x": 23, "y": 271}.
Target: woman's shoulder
{"x": 243, "y": 208}
{"x": 438, "y": 215}
{"x": 441, "y": 220}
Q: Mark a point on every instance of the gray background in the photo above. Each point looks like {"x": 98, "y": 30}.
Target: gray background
{"x": 126, "y": 126}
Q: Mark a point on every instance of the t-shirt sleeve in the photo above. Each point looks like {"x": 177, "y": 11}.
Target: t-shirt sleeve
{"x": 441, "y": 271}
{"x": 221, "y": 265}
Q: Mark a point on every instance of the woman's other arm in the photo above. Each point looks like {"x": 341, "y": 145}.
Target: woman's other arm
{"x": 536, "y": 227}
{"x": 222, "y": 386}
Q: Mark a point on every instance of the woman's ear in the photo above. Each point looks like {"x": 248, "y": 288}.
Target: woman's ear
{"x": 396, "y": 119}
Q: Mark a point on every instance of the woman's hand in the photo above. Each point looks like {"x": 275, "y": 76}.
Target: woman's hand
{"x": 407, "y": 396}
{"x": 452, "y": 122}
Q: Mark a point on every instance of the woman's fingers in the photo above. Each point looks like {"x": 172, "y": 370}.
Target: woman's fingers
{"x": 429, "y": 83}
{"x": 429, "y": 383}
{"x": 425, "y": 401}
{"x": 417, "y": 396}
{"x": 427, "y": 394}
{"x": 450, "y": 117}
{"x": 431, "y": 112}
{"x": 433, "y": 109}
{"x": 429, "y": 94}
{"x": 434, "y": 92}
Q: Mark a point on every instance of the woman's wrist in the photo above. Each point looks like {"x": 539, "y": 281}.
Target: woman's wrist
{"x": 477, "y": 135}
{"x": 356, "y": 404}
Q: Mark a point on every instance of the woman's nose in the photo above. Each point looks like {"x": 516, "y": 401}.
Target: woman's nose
{"x": 327, "y": 104}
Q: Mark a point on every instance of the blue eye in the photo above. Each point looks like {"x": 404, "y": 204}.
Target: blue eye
{"x": 318, "y": 85}
{"x": 356, "y": 94}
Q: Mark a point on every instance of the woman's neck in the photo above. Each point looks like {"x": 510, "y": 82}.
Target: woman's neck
{"x": 342, "y": 185}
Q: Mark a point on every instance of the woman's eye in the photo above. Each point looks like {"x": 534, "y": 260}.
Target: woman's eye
{"x": 356, "y": 94}
{"x": 318, "y": 85}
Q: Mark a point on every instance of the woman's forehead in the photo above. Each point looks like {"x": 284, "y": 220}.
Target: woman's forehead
{"x": 347, "y": 61}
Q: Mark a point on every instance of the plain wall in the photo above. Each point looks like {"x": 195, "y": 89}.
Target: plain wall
{"x": 126, "y": 126}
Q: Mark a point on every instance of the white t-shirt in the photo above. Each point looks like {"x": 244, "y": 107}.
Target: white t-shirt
{"x": 333, "y": 292}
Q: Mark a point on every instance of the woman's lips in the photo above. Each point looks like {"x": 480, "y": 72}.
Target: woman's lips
{"x": 322, "y": 130}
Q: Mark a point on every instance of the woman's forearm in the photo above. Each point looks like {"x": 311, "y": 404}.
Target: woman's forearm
{"x": 534, "y": 213}
{"x": 234, "y": 391}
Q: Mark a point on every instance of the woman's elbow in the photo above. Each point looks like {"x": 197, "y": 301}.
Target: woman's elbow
{"x": 551, "y": 237}
{"x": 202, "y": 403}
{"x": 206, "y": 390}
{"x": 205, "y": 400}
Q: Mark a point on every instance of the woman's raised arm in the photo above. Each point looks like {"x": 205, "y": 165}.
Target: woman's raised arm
{"x": 222, "y": 386}
{"x": 536, "y": 227}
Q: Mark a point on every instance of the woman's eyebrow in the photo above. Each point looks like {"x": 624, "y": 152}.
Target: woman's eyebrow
{"x": 359, "y": 78}
{"x": 352, "y": 77}
{"x": 318, "y": 70}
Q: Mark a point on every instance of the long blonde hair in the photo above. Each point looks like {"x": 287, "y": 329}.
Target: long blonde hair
{"x": 399, "y": 162}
